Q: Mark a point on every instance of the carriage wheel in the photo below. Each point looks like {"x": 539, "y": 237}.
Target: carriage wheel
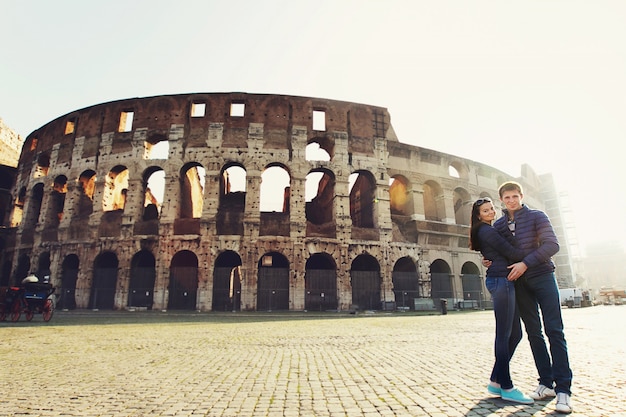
{"x": 15, "y": 311}
{"x": 29, "y": 315}
{"x": 48, "y": 310}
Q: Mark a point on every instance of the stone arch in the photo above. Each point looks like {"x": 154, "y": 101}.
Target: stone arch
{"x": 69, "y": 276}
{"x": 87, "y": 186}
{"x": 320, "y": 197}
{"x": 319, "y": 149}
{"x": 43, "y": 267}
{"x": 441, "y": 280}
{"x": 153, "y": 189}
{"x": 115, "y": 189}
{"x": 192, "y": 182}
{"x": 320, "y": 282}
{"x": 105, "y": 269}
{"x": 273, "y": 282}
{"x": 458, "y": 169}
{"x": 56, "y": 202}
{"x": 18, "y": 208}
{"x": 400, "y": 201}
{"x": 362, "y": 199}
{"x": 434, "y": 206}
{"x": 227, "y": 282}
{"x": 472, "y": 283}
{"x": 142, "y": 279}
{"x": 462, "y": 206}
{"x": 275, "y": 194}
{"x": 183, "y": 285}
{"x": 366, "y": 281}
{"x": 232, "y": 200}
{"x": 405, "y": 281}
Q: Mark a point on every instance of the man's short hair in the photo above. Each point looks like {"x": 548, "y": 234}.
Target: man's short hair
{"x": 510, "y": 186}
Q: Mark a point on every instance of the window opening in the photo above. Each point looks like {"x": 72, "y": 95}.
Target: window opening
{"x": 452, "y": 171}
{"x": 126, "y": 121}
{"x": 314, "y": 152}
{"x": 237, "y": 109}
{"x": 198, "y": 109}
{"x": 319, "y": 120}
{"x": 33, "y": 144}
{"x": 159, "y": 150}
{"x": 69, "y": 126}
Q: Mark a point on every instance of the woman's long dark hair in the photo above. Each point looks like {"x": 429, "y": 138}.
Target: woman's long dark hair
{"x": 475, "y": 223}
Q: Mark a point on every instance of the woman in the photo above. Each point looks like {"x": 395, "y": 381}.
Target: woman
{"x": 502, "y": 253}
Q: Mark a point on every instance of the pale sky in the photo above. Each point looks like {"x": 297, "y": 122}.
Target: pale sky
{"x": 500, "y": 82}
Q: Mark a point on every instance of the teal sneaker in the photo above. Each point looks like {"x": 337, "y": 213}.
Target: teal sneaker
{"x": 493, "y": 390}
{"x": 516, "y": 396}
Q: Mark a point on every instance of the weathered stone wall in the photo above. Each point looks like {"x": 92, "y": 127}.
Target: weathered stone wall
{"x": 367, "y": 238}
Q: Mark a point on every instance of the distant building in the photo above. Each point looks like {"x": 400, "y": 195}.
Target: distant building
{"x": 10, "y": 145}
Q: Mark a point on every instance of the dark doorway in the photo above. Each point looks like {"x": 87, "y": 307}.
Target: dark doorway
{"x": 69, "y": 276}
{"x": 104, "y": 282}
{"x": 183, "y": 287}
{"x": 320, "y": 283}
{"x": 405, "y": 283}
{"x": 273, "y": 282}
{"x": 365, "y": 280}
{"x": 227, "y": 282}
{"x": 142, "y": 277}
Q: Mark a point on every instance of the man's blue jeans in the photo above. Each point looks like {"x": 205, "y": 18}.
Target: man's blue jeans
{"x": 508, "y": 328}
{"x": 542, "y": 292}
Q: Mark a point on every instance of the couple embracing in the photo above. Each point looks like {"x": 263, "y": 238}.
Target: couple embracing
{"x": 517, "y": 250}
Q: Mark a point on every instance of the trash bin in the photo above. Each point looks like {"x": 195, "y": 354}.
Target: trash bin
{"x": 444, "y": 306}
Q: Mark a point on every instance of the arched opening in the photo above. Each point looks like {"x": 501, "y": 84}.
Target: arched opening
{"x": 18, "y": 208}
{"x": 142, "y": 278}
{"x": 56, "y": 202}
{"x": 87, "y": 183}
{"x": 441, "y": 280}
{"x": 227, "y": 282}
{"x": 104, "y": 282}
{"x": 23, "y": 268}
{"x": 320, "y": 281}
{"x": 462, "y": 206}
{"x": 275, "y": 189}
{"x": 154, "y": 189}
{"x": 43, "y": 267}
{"x": 69, "y": 276}
{"x": 319, "y": 205}
{"x": 362, "y": 199}
{"x": 34, "y": 207}
{"x": 315, "y": 152}
{"x": 183, "y": 286}
{"x": 405, "y": 281}
{"x": 192, "y": 181}
{"x": 473, "y": 295}
{"x": 115, "y": 189}
{"x": 273, "y": 282}
{"x": 157, "y": 147}
{"x": 232, "y": 203}
{"x": 366, "y": 282}
{"x": 434, "y": 209}
{"x": 400, "y": 201}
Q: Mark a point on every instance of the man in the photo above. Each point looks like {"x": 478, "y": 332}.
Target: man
{"x": 535, "y": 287}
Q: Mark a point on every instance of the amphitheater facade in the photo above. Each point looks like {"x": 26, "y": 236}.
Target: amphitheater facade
{"x": 236, "y": 201}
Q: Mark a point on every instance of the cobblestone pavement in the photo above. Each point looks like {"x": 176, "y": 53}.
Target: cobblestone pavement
{"x": 114, "y": 364}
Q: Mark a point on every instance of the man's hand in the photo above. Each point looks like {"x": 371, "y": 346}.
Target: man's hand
{"x": 517, "y": 270}
{"x": 486, "y": 263}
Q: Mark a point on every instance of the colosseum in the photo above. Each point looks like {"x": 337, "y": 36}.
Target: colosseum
{"x": 237, "y": 201}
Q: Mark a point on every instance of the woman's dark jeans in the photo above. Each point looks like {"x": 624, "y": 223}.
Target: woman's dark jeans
{"x": 508, "y": 328}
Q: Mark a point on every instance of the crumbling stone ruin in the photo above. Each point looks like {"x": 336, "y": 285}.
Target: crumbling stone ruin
{"x": 235, "y": 201}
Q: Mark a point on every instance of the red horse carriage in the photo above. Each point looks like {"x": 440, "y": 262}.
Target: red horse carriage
{"x": 31, "y": 298}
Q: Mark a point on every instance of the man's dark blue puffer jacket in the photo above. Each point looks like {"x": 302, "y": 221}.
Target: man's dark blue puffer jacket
{"x": 534, "y": 234}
